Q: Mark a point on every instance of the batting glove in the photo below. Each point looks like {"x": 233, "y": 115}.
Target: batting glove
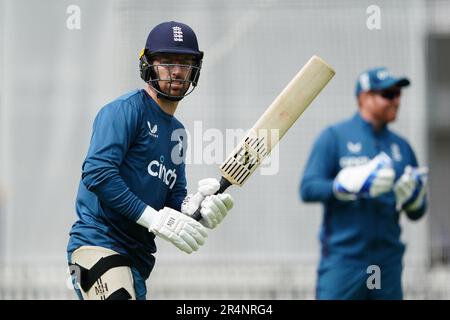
{"x": 214, "y": 208}
{"x": 410, "y": 189}
{"x": 173, "y": 226}
{"x": 369, "y": 180}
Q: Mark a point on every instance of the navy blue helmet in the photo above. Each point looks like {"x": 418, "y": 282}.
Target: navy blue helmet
{"x": 170, "y": 38}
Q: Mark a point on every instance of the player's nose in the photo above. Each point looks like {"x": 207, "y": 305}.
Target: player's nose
{"x": 179, "y": 72}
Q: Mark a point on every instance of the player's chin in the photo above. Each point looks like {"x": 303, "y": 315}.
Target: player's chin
{"x": 173, "y": 90}
{"x": 391, "y": 115}
{"x": 177, "y": 91}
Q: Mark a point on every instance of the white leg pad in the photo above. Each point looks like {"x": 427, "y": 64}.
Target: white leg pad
{"x": 111, "y": 281}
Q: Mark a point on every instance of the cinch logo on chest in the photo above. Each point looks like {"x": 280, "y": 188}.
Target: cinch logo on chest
{"x": 158, "y": 169}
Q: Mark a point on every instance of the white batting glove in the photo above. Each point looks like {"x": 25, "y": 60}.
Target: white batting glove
{"x": 214, "y": 208}
{"x": 410, "y": 189}
{"x": 173, "y": 226}
{"x": 369, "y": 180}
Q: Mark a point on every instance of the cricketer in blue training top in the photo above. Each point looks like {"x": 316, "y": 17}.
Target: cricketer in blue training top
{"x": 365, "y": 176}
{"x": 133, "y": 183}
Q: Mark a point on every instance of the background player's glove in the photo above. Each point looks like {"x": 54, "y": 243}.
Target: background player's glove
{"x": 182, "y": 231}
{"x": 213, "y": 207}
{"x": 369, "y": 180}
{"x": 410, "y": 189}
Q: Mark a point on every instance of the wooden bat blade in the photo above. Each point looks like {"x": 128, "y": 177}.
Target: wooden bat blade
{"x": 274, "y": 123}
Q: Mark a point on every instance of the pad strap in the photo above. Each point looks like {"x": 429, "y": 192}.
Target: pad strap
{"x": 90, "y": 276}
{"x": 120, "y": 294}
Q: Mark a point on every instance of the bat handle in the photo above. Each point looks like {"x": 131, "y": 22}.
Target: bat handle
{"x": 224, "y": 184}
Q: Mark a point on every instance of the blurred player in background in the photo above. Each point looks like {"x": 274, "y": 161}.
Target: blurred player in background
{"x": 366, "y": 176}
{"x": 133, "y": 184}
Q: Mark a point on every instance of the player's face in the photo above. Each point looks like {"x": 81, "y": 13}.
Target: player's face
{"x": 384, "y": 104}
{"x": 173, "y": 72}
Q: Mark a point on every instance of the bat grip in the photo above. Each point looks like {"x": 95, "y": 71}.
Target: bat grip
{"x": 224, "y": 184}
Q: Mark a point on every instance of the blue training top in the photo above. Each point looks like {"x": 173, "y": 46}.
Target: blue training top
{"x": 135, "y": 158}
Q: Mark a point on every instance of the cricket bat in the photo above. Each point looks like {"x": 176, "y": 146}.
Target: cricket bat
{"x": 278, "y": 118}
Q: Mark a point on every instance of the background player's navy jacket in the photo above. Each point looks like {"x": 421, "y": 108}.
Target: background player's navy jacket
{"x": 135, "y": 159}
{"x": 365, "y": 231}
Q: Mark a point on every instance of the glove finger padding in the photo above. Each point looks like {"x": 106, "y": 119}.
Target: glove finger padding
{"x": 200, "y": 229}
{"x": 369, "y": 180}
{"x": 215, "y": 208}
{"x": 189, "y": 240}
{"x": 216, "y": 205}
{"x": 181, "y": 230}
{"x": 210, "y": 214}
{"x": 407, "y": 188}
{"x": 227, "y": 199}
{"x": 175, "y": 239}
{"x": 209, "y": 220}
{"x": 196, "y": 235}
{"x": 386, "y": 174}
{"x": 403, "y": 192}
{"x": 418, "y": 202}
{"x": 378, "y": 190}
{"x": 180, "y": 243}
{"x": 383, "y": 182}
{"x": 208, "y": 186}
{"x": 410, "y": 189}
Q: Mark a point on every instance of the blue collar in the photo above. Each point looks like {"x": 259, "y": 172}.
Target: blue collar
{"x": 366, "y": 125}
{"x": 155, "y": 106}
